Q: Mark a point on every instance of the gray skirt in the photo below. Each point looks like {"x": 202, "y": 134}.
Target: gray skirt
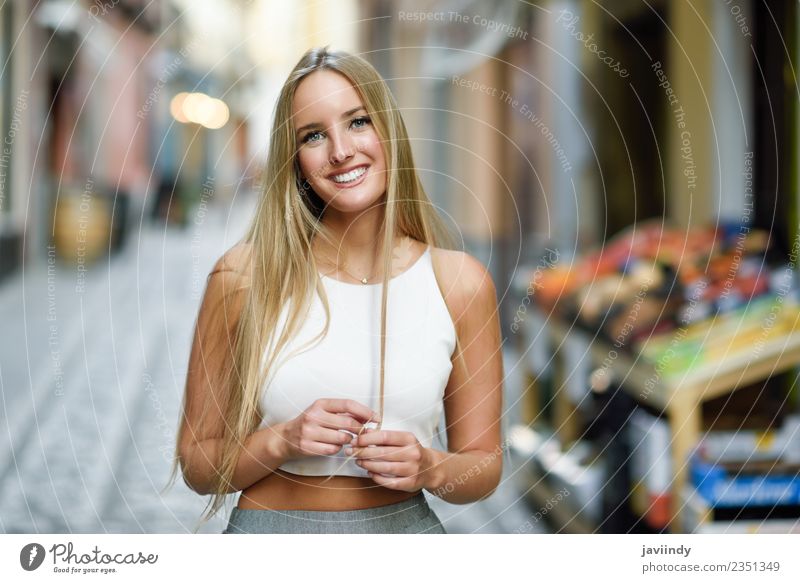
{"x": 412, "y": 516}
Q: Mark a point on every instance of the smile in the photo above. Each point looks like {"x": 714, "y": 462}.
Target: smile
{"x": 349, "y": 177}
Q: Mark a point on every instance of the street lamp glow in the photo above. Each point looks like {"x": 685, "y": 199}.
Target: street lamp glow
{"x": 219, "y": 116}
{"x": 176, "y": 107}
{"x": 194, "y": 107}
{"x": 201, "y": 109}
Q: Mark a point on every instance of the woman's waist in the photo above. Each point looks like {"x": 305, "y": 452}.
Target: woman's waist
{"x": 281, "y": 490}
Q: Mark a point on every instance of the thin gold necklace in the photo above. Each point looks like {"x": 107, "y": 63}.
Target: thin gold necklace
{"x": 364, "y": 280}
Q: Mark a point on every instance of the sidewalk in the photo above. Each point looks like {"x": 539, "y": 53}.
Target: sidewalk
{"x": 92, "y": 379}
{"x": 92, "y": 374}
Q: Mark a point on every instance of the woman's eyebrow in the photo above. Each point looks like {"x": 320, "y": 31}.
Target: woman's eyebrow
{"x": 316, "y": 124}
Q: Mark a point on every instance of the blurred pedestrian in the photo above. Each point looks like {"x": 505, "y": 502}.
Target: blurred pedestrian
{"x": 166, "y": 198}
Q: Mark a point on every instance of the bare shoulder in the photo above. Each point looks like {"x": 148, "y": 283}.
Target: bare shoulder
{"x": 235, "y": 262}
{"x": 226, "y": 283}
{"x": 464, "y": 281}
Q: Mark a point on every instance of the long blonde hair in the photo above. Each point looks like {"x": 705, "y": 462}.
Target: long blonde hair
{"x": 283, "y": 271}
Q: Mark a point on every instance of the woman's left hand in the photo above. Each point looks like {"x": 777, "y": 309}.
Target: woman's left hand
{"x": 397, "y": 460}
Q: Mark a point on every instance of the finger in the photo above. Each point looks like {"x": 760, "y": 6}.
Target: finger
{"x": 339, "y": 421}
{"x": 330, "y": 436}
{"x": 394, "y": 454}
{"x": 321, "y": 448}
{"x": 397, "y": 469}
{"x": 354, "y": 408}
{"x": 385, "y": 437}
{"x": 392, "y": 482}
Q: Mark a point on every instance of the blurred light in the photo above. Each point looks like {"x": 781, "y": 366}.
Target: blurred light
{"x": 296, "y": 26}
{"x": 176, "y": 107}
{"x": 194, "y": 106}
{"x": 219, "y": 116}
{"x": 201, "y": 109}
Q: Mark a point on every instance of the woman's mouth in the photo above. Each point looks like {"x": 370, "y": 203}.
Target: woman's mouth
{"x": 350, "y": 178}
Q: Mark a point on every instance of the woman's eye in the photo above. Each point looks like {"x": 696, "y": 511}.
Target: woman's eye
{"x": 357, "y": 123}
{"x": 311, "y": 137}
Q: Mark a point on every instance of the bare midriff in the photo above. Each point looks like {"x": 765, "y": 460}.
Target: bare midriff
{"x": 281, "y": 490}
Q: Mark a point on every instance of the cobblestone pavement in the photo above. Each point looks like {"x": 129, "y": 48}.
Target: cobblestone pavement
{"x": 92, "y": 371}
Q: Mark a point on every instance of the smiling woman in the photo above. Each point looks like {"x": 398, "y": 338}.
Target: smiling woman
{"x": 339, "y": 147}
{"x": 342, "y": 319}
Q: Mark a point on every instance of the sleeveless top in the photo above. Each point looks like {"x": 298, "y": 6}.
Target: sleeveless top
{"x": 345, "y": 364}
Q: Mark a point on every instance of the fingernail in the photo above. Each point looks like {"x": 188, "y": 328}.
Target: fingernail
{"x": 348, "y": 450}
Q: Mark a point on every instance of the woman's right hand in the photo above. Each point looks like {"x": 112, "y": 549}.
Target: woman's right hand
{"x": 316, "y": 431}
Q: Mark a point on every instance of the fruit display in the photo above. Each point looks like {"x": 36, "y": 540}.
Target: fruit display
{"x": 716, "y": 288}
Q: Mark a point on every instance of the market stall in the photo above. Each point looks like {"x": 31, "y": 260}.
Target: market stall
{"x": 677, "y": 321}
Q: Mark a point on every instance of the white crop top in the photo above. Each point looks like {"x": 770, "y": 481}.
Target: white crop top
{"x": 345, "y": 364}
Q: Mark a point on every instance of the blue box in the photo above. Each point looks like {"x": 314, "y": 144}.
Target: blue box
{"x": 724, "y": 489}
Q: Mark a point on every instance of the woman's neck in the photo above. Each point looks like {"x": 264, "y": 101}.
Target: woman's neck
{"x": 355, "y": 234}
{"x": 357, "y": 242}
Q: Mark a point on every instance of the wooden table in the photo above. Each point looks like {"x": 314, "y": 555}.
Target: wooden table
{"x": 680, "y": 396}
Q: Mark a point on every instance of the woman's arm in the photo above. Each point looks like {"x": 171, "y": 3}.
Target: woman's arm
{"x": 472, "y": 467}
{"x": 200, "y": 436}
{"x": 260, "y": 456}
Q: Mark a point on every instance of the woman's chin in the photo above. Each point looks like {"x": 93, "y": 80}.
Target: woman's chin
{"x": 352, "y": 202}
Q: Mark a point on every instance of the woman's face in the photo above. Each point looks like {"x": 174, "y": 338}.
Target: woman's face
{"x": 339, "y": 152}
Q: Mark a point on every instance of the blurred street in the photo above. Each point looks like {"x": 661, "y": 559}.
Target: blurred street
{"x": 88, "y": 447}
{"x": 625, "y": 171}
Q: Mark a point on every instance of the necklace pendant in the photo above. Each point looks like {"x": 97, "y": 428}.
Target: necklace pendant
{"x": 364, "y": 280}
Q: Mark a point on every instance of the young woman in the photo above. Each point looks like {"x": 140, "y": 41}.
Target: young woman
{"x": 330, "y": 340}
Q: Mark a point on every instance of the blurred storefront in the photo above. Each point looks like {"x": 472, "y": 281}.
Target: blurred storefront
{"x": 94, "y": 147}
{"x": 667, "y": 337}
{"x": 557, "y": 125}
{"x": 19, "y": 99}
{"x": 97, "y": 156}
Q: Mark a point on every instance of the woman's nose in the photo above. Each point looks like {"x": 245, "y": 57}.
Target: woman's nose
{"x": 341, "y": 147}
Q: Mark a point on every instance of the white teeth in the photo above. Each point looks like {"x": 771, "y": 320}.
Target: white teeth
{"x": 349, "y": 176}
